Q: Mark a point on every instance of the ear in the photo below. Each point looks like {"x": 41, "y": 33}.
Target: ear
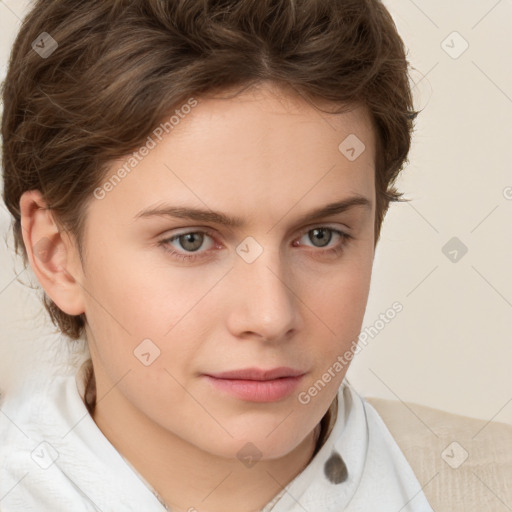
{"x": 53, "y": 255}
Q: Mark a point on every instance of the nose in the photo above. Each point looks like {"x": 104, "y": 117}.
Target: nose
{"x": 263, "y": 302}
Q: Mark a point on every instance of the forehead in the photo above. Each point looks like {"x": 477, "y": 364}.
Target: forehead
{"x": 261, "y": 151}
{"x": 270, "y": 117}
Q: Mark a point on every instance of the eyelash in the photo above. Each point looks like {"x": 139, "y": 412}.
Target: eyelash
{"x": 338, "y": 249}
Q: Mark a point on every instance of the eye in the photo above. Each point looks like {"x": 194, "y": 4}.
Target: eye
{"x": 186, "y": 246}
{"x": 321, "y": 236}
{"x": 190, "y": 242}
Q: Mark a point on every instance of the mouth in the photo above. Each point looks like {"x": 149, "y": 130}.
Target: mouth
{"x": 256, "y": 385}
{"x": 258, "y": 374}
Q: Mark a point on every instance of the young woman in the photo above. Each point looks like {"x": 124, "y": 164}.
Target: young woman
{"x": 199, "y": 188}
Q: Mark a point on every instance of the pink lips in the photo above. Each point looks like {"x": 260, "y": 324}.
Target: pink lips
{"x": 256, "y": 385}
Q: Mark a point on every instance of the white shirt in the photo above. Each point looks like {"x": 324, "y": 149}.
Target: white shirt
{"x": 53, "y": 458}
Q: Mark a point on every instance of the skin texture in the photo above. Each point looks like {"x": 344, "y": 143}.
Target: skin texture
{"x": 267, "y": 157}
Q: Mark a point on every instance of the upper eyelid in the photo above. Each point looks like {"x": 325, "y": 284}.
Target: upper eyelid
{"x": 211, "y": 231}
{"x": 204, "y": 229}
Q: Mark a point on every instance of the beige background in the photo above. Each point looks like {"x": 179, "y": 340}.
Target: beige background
{"x": 451, "y": 346}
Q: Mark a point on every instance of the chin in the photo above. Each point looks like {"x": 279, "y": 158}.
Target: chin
{"x": 268, "y": 444}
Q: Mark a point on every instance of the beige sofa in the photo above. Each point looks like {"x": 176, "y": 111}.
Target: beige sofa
{"x": 463, "y": 464}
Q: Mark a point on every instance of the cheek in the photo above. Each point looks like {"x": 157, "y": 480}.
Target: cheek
{"x": 142, "y": 297}
{"x": 339, "y": 305}
{"x": 344, "y": 290}
{"x": 160, "y": 311}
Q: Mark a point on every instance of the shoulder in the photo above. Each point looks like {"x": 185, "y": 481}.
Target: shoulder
{"x": 462, "y": 463}
{"x": 15, "y": 446}
{"x": 33, "y": 449}
{"x": 16, "y": 407}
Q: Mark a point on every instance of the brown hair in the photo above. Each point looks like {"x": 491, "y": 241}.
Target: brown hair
{"x": 117, "y": 66}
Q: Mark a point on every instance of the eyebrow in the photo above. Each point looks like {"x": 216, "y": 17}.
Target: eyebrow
{"x": 196, "y": 214}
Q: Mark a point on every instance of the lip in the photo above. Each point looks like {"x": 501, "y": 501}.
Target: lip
{"x": 256, "y": 385}
{"x": 258, "y": 374}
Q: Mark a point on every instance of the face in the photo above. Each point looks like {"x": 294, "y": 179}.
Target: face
{"x": 172, "y": 298}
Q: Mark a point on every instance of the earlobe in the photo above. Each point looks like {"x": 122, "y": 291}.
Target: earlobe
{"x": 52, "y": 255}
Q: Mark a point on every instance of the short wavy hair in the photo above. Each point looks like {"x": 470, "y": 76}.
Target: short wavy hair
{"x": 119, "y": 65}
